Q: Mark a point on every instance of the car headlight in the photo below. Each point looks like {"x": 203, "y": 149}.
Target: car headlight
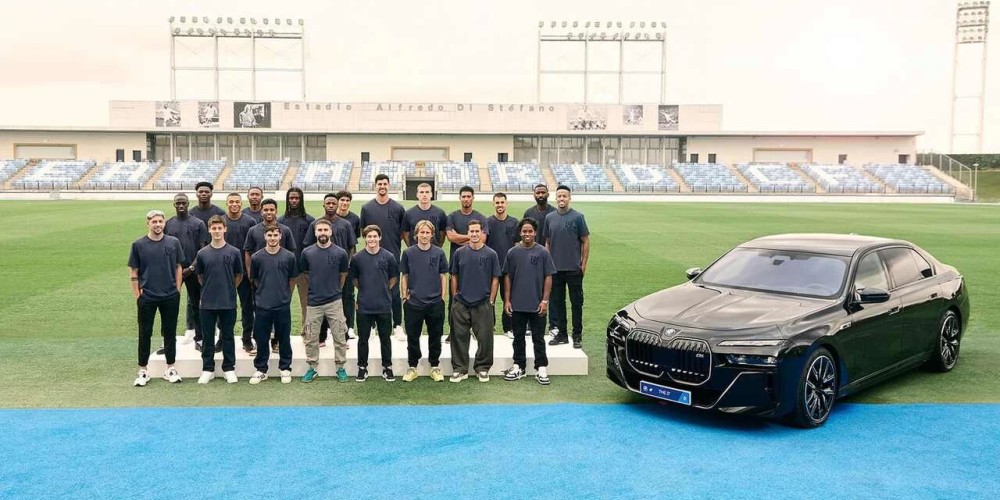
{"x": 750, "y": 343}
{"x": 751, "y": 360}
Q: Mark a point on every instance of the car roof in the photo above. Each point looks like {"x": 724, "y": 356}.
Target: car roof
{"x": 827, "y": 243}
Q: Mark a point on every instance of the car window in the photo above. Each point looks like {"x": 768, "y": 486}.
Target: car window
{"x": 779, "y": 271}
{"x": 870, "y": 273}
{"x": 925, "y": 267}
{"x": 902, "y": 266}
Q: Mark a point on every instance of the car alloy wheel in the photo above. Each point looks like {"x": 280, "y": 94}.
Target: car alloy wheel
{"x": 950, "y": 331}
{"x": 817, "y": 390}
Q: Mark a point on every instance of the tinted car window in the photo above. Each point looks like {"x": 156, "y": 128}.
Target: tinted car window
{"x": 925, "y": 267}
{"x": 870, "y": 273}
{"x": 779, "y": 271}
{"x": 902, "y": 265}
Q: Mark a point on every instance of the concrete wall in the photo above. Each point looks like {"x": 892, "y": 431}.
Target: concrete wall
{"x": 859, "y": 150}
{"x": 98, "y": 146}
{"x": 484, "y": 148}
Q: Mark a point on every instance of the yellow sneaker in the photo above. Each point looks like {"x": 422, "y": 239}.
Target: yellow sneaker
{"x": 436, "y": 374}
{"x": 410, "y": 375}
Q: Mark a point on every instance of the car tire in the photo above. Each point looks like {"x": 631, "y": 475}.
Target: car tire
{"x": 816, "y": 393}
{"x": 944, "y": 357}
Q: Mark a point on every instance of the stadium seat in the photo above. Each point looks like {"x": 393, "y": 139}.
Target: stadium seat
{"x": 266, "y": 174}
{"x": 586, "y": 177}
{"x": 515, "y": 177}
{"x": 324, "y": 176}
{"x": 909, "y": 179}
{"x": 645, "y": 178}
{"x": 842, "y": 179}
{"x": 710, "y": 178}
{"x": 775, "y": 178}
{"x": 394, "y": 169}
{"x": 451, "y": 176}
{"x": 120, "y": 176}
{"x": 183, "y": 175}
{"x": 10, "y": 167}
{"x": 54, "y": 174}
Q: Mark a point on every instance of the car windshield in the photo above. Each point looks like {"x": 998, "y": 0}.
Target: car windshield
{"x": 778, "y": 271}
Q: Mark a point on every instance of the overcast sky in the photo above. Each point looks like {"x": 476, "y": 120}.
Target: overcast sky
{"x": 773, "y": 65}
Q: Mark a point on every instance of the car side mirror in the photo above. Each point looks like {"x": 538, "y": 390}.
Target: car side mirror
{"x": 693, "y": 273}
{"x": 872, "y": 296}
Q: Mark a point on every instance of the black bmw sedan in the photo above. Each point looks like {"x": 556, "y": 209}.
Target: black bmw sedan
{"x": 782, "y": 326}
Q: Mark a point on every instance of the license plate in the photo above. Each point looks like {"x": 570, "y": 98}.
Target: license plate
{"x": 665, "y": 393}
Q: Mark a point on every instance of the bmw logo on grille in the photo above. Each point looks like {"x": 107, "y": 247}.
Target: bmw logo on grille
{"x": 669, "y": 332}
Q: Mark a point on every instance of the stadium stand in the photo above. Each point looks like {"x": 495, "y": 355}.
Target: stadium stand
{"x": 842, "y": 179}
{"x": 645, "y": 178}
{"x": 121, "y": 176}
{"x": 451, "y": 176}
{"x": 710, "y": 178}
{"x": 775, "y": 178}
{"x": 514, "y": 177}
{"x": 185, "y": 174}
{"x": 909, "y": 179}
{"x": 266, "y": 174}
{"x": 10, "y": 167}
{"x": 394, "y": 169}
{"x": 54, "y": 174}
{"x": 585, "y": 177}
{"x": 323, "y": 175}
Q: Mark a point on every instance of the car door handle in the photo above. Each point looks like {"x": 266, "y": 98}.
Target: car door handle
{"x": 894, "y": 310}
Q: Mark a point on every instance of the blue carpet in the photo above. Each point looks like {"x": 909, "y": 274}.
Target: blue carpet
{"x": 522, "y": 451}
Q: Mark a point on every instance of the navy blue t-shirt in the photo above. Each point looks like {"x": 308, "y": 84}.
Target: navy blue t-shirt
{"x": 236, "y": 230}
{"x": 255, "y": 239}
{"x": 415, "y": 214}
{"x": 300, "y": 227}
{"x": 192, "y": 234}
{"x": 271, "y": 274}
{"x": 257, "y": 216}
{"x": 207, "y": 213}
{"x": 156, "y": 262}
{"x": 388, "y": 218}
{"x": 423, "y": 270}
{"x": 324, "y": 266}
{"x": 459, "y": 222}
{"x": 503, "y": 234}
{"x": 539, "y": 217}
{"x": 373, "y": 273}
{"x": 564, "y": 232}
{"x": 475, "y": 270}
{"x": 218, "y": 267}
{"x": 527, "y": 268}
{"x": 343, "y": 234}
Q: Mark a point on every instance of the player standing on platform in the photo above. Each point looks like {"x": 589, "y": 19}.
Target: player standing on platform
{"x": 503, "y": 236}
{"x": 205, "y": 209}
{"x": 387, "y": 214}
{"x": 155, "y": 263}
{"x": 424, "y": 272}
{"x": 273, "y": 270}
{"x": 254, "y": 197}
{"x": 193, "y": 235}
{"x": 457, "y": 230}
{"x": 327, "y": 266}
{"x": 424, "y": 210}
{"x": 238, "y": 224}
{"x": 539, "y": 211}
{"x": 300, "y": 224}
{"x": 475, "y": 270}
{"x": 528, "y": 271}
{"x": 374, "y": 271}
{"x": 568, "y": 240}
{"x": 255, "y": 242}
{"x": 342, "y": 236}
{"x": 344, "y": 212}
{"x": 220, "y": 271}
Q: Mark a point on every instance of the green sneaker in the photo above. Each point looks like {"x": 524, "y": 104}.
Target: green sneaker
{"x": 341, "y": 375}
{"x": 310, "y": 375}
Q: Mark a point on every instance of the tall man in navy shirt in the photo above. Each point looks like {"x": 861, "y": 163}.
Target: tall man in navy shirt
{"x": 568, "y": 240}
{"x": 155, "y": 263}
{"x": 424, "y": 268}
{"x": 387, "y": 214}
{"x": 475, "y": 270}
{"x": 539, "y": 211}
{"x": 238, "y": 225}
{"x": 424, "y": 210}
{"x": 457, "y": 229}
{"x": 503, "y": 236}
{"x": 344, "y": 199}
{"x": 273, "y": 271}
{"x": 528, "y": 271}
{"x": 374, "y": 271}
{"x": 255, "y": 196}
{"x": 327, "y": 266}
{"x": 255, "y": 242}
{"x": 300, "y": 224}
{"x": 205, "y": 209}
{"x": 220, "y": 271}
{"x": 193, "y": 235}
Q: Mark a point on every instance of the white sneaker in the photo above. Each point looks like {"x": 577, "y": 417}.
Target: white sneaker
{"x": 206, "y": 377}
{"x": 458, "y": 377}
{"x": 350, "y": 333}
{"x": 483, "y": 376}
{"x": 542, "y": 375}
{"x": 231, "y": 377}
{"x": 400, "y": 334}
{"x": 286, "y": 376}
{"x": 513, "y": 373}
{"x": 171, "y": 375}
{"x": 257, "y": 378}
{"x": 509, "y": 334}
{"x": 141, "y": 379}
{"x": 188, "y": 337}
{"x": 554, "y": 332}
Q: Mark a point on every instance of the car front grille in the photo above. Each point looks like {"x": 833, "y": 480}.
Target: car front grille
{"x": 684, "y": 360}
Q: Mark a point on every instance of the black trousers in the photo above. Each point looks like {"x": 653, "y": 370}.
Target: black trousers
{"x": 416, "y": 317}
{"x": 280, "y": 320}
{"x": 560, "y": 282}
{"x": 384, "y": 324}
{"x": 521, "y": 322}
{"x": 504, "y": 319}
{"x": 146, "y": 314}
{"x": 225, "y": 319}
{"x": 245, "y": 292}
{"x": 192, "y": 315}
{"x": 397, "y": 305}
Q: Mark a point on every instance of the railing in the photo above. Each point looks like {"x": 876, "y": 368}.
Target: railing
{"x": 954, "y": 168}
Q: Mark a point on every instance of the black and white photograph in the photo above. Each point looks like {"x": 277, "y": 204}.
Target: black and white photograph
{"x": 588, "y": 118}
{"x": 668, "y": 117}
{"x": 208, "y": 114}
{"x": 168, "y": 114}
{"x": 632, "y": 115}
{"x": 252, "y": 114}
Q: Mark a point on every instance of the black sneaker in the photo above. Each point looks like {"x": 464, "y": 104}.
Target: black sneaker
{"x": 274, "y": 346}
{"x": 161, "y": 350}
{"x": 249, "y": 348}
{"x": 558, "y": 340}
{"x": 387, "y": 374}
{"x": 577, "y": 344}
{"x": 198, "y": 345}
{"x": 218, "y": 346}
{"x": 362, "y": 373}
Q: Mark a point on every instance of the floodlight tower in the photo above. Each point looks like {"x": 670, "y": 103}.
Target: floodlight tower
{"x": 972, "y": 25}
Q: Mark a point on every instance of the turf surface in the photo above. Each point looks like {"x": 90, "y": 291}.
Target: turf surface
{"x": 67, "y": 321}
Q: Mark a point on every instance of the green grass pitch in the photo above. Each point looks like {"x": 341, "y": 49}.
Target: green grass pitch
{"x": 67, "y": 321}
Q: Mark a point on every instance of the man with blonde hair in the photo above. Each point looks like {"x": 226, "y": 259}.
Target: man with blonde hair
{"x": 424, "y": 270}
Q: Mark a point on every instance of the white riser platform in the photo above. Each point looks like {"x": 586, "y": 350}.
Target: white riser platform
{"x": 563, "y": 359}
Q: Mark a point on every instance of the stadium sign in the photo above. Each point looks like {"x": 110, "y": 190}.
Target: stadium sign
{"x": 418, "y": 107}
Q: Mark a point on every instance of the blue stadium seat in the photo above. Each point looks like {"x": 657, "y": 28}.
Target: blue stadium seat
{"x": 10, "y": 167}
{"x": 910, "y": 179}
{"x": 586, "y": 177}
{"x": 324, "y": 176}
{"x": 184, "y": 175}
{"x": 54, "y": 174}
{"x": 394, "y": 169}
{"x": 515, "y": 177}
{"x": 451, "y": 176}
{"x": 636, "y": 178}
{"x": 842, "y": 179}
{"x": 266, "y": 174}
{"x": 121, "y": 176}
{"x": 710, "y": 178}
{"x": 775, "y": 178}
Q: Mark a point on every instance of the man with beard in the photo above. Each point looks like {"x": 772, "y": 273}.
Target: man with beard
{"x": 539, "y": 212}
{"x": 193, "y": 235}
{"x": 343, "y": 236}
{"x": 256, "y": 241}
{"x": 205, "y": 209}
{"x": 503, "y": 235}
{"x": 273, "y": 270}
{"x": 475, "y": 270}
{"x": 300, "y": 223}
{"x": 424, "y": 210}
{"x": 220, "y": 270}
{"x": 387, "y": 214}
{"x": 457, "y": 229}
{"x": 568, "y": 240}
{"x": 327, "y": 266}
{"x": 528, "y": 271}
{"x": 238, "y": 224}
{"x": 254, "y": 196}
